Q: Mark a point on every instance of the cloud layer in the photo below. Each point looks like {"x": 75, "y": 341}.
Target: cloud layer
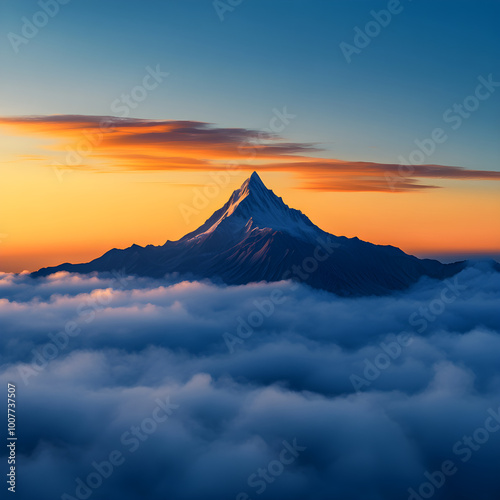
{"x": 112, "y": 143}
{"x": 246, "y": 376}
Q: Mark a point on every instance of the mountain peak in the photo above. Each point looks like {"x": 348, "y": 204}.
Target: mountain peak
{"x": 255, "y": 207}
{"x": 253, "y": 185}
{"x": 255, "y": 180}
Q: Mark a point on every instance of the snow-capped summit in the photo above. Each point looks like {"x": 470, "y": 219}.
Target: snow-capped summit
{"x": 254, "y": 207}
{"x": 255, "y": 236}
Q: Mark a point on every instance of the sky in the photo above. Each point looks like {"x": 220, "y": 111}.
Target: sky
{"x": 330, "y": 118}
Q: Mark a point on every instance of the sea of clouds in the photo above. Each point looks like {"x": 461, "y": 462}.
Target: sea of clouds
{"x": 130, "y": 388}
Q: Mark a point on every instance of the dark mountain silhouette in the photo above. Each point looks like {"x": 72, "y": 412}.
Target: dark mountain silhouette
{"x": 256, "y": 237}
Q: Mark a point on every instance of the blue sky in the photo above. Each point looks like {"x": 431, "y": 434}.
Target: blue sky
{"x": 265, "y": 55}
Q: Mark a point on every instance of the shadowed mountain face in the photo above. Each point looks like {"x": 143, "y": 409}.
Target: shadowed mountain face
{"x": 255, "y": 237}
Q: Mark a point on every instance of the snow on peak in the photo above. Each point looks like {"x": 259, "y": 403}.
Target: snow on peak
{"x": 254, "y": 207}
{"x": 254, "y": 183}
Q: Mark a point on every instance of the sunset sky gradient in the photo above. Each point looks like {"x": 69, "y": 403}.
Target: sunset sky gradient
{"x": 266, "y": 89}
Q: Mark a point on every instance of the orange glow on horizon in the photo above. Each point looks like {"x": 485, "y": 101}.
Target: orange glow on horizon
{"x": 131, "y": 187}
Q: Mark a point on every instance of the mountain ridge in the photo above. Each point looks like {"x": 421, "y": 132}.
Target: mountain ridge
{"x": 256, "y": 237}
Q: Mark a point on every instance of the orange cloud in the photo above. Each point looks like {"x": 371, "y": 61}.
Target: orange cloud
{"x": 132, "y": 144}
